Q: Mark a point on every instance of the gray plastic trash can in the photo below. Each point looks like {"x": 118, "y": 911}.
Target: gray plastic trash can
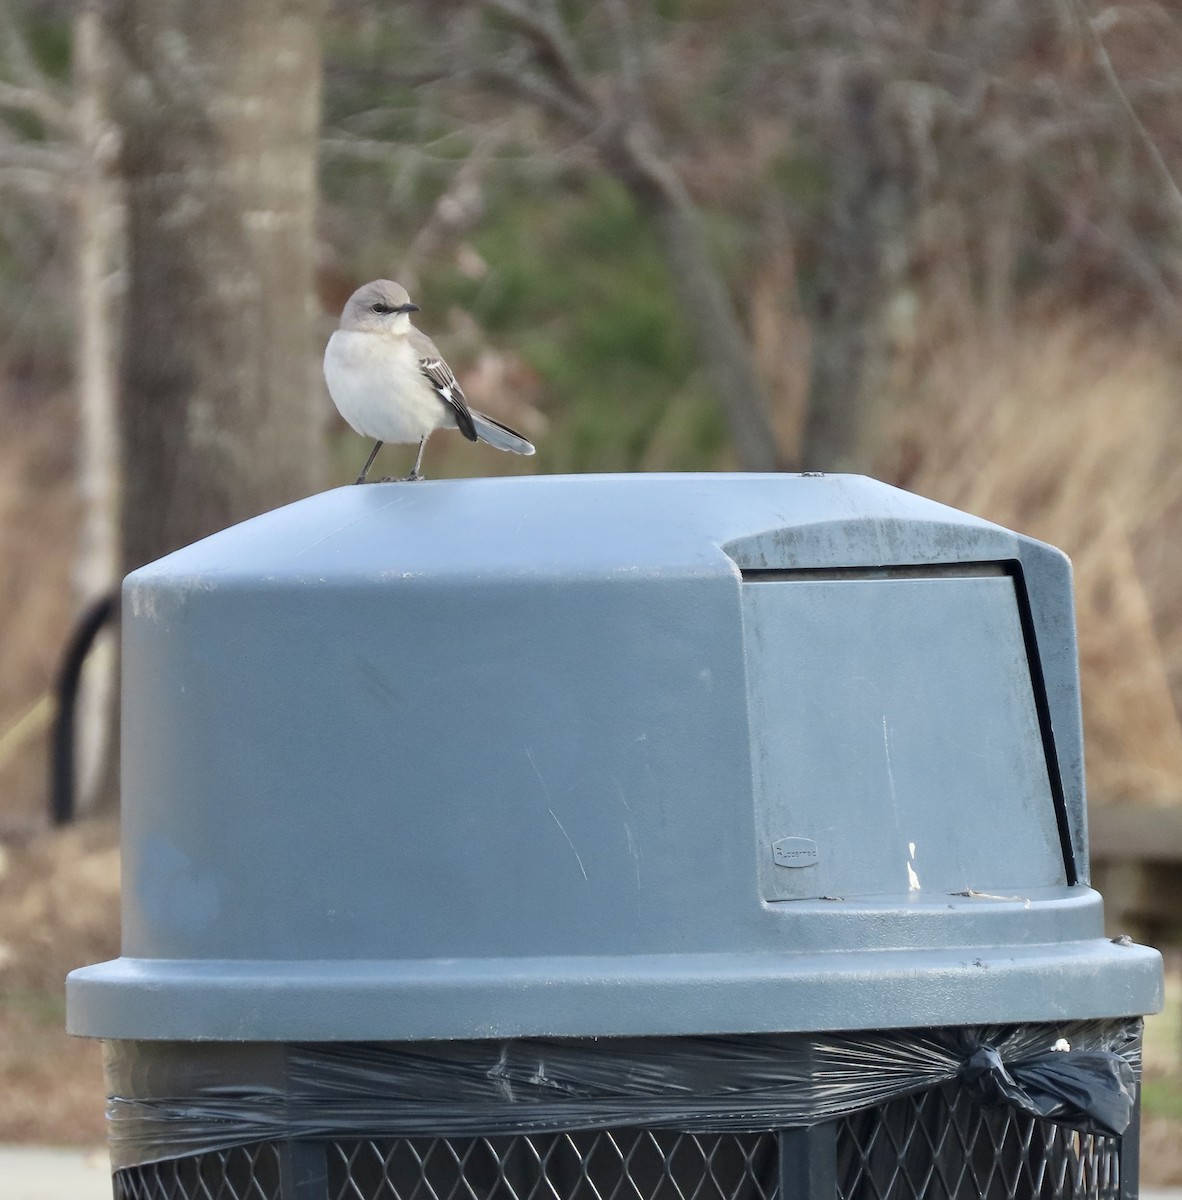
{"x": 608, "y": 838}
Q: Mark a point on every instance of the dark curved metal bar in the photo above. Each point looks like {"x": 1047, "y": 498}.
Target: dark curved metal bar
{"x": 62, "y": 773}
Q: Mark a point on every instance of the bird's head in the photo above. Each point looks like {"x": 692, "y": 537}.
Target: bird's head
{"x": 378, "y": 307}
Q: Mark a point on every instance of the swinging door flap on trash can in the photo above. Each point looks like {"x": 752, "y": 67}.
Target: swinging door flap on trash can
{"x": 896, "y": 746}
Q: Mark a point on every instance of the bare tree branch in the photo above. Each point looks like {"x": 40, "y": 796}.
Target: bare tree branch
{"x": 367, "y": 149}
{"x": 1140, "y": 265}
{"x": 336, "y": 73}
{"x": 457, "y": 209}
{"x": 31, "y": 181}
{"x": 33, "y": 91}
{"x": 552, "y": 48}
{"x": 628, "y": 55}
{"x": 35, "y": 103}
{"x": 1151, "y": 146}
{"x": 538, "y": 92}
{"x": 31, "y": 155}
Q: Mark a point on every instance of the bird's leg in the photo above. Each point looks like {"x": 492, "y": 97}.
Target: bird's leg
{"x": 368, "y": 463}
{"x": 414, "y": 471}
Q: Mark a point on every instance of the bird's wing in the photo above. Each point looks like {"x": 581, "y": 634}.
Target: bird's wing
{"x": 443, "y": 380}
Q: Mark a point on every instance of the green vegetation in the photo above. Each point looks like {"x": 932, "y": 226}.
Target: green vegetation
{"x": 574, "y": 284}
{"x": 1161, "y": 1096}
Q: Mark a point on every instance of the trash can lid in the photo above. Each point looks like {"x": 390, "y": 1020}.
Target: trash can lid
{"x": 592, "y": 755}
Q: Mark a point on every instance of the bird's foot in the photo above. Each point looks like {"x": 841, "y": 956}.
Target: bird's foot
{"x": 413, "y": 477}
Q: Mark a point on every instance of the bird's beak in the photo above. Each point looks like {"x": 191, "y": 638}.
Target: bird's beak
{"x": 408, "y": 308}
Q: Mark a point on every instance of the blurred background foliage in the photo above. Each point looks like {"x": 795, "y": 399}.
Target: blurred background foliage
{"x": 936, "y": 242}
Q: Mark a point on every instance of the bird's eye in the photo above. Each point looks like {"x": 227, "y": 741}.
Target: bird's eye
{"x": 383, "y": 308}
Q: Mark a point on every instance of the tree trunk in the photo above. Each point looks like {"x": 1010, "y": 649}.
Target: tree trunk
{"x": 862, "y": 251}
{"x": 722, "y": 346}
{"x": 221, "y": 410}
{"x": 98, "y": 219}
{"x": 721, "y": 343}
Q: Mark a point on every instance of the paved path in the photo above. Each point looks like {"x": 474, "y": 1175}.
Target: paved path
{"x": 44, "y": 1173}
{"x": 52, "y": 1173}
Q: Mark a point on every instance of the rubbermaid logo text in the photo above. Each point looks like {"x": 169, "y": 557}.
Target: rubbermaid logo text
{"x": 794, "y": 852}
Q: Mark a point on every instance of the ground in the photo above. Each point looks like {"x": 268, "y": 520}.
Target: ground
{"x": 59, "y": 908}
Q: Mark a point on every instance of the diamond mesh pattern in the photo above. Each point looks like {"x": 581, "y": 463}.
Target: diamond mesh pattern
{"x": 244, "y": 1173}
{"x": 621, "y": 1164}
{"x": 938, "y": 1145}
{"x": 935, "y": 1145}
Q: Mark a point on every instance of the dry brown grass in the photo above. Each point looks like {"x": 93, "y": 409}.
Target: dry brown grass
{"x": 52, "y": 1084}
{"x": 58, "y": 892}
{"x": 37, "y": 522}
{"x": 59, "y": 906}
{"x": 59, "y": 909}
{"x": 1161, "y": 1152}
{"x": 1073, "y": 433}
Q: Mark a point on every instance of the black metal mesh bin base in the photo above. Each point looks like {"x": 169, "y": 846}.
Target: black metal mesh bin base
{"x": 608, "y": 1164}
{"x": 934, "y": 1145}
{"x": 1024, "y": 1112}
{"x": 939, "y": 1145}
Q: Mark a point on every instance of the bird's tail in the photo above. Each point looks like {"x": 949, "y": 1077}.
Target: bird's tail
{"x": 501, "y": 436}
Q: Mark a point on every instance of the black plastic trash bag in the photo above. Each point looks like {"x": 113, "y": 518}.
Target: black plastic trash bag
{"x": 173, "y": 1099}
{"x": 1094, "y": 1091}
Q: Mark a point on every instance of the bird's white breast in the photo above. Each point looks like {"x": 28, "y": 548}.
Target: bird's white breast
{"x": 376, "y": 384}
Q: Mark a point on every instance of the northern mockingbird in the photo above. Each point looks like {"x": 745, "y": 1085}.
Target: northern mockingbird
{"x": 391, "y": 384}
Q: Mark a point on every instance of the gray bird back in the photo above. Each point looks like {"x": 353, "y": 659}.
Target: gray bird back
{"x": 422, "y": 345}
